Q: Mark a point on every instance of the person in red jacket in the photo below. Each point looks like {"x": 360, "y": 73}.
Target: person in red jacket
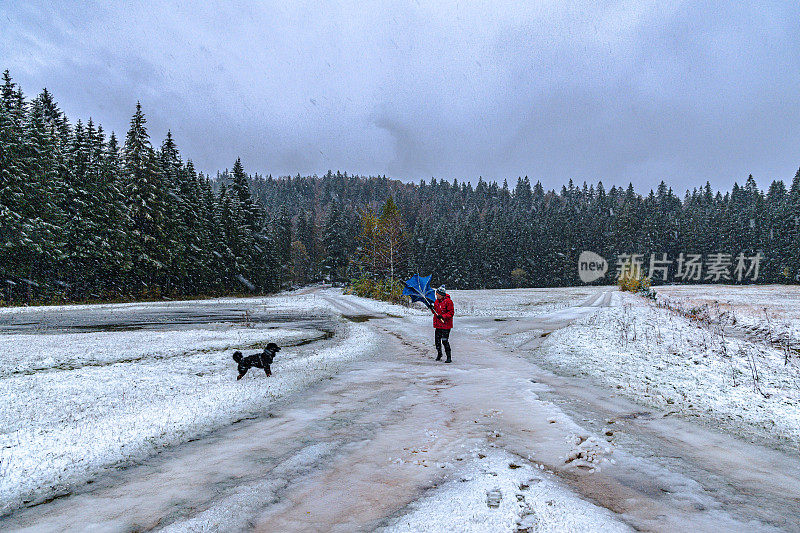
{"x": 443, "y": 322}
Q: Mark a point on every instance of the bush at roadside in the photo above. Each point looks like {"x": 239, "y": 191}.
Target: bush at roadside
{"x": 378, "y": 289}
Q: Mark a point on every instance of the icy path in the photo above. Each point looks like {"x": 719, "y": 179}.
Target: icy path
{"x": 491, "y": 442}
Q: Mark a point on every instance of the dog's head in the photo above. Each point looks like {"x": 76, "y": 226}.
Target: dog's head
{"x": 272, "y": 347}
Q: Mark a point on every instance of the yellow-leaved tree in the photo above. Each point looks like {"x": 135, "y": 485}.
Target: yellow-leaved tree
{"x": 382, "y": 256}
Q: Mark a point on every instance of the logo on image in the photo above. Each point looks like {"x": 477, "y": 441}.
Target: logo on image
{"x": 591, "y": 267}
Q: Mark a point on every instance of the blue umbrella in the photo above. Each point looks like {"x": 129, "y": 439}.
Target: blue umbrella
{"x": 419, "y": 289}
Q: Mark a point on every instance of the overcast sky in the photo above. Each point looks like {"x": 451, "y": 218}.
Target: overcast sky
{"x": 625, "y": 91}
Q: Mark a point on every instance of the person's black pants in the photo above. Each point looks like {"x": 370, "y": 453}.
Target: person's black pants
{"x": 442, "y": 336}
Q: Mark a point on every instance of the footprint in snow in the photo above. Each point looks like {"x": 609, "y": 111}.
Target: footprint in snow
{"x": 528, "y": 522}
{"x": 493, "y": 498}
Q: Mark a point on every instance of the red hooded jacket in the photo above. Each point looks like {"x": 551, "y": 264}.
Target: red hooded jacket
{"x": 443, "y": 307}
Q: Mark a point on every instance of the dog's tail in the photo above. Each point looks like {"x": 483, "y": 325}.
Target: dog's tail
{"x": 237, "y": 356}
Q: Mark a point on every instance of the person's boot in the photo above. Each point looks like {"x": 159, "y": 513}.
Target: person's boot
{"x": 448, "y": 360}
{"x": 439, "y": 357}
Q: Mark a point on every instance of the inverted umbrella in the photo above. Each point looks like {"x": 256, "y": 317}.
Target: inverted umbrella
{"x": 419, "y": 289}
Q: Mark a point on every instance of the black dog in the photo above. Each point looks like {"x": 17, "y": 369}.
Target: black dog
{"x": 258, "y": 360}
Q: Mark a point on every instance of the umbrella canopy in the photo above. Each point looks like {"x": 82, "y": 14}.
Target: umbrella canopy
{"x": 419, "y": 289}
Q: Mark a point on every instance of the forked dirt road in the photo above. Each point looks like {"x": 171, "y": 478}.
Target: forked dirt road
{"x": 353, "y": 452}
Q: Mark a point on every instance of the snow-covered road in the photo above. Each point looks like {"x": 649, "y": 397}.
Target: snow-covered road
{"x": 390, "y": 439}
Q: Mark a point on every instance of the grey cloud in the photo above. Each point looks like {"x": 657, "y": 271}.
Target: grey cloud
{"x": 622, "y": 91}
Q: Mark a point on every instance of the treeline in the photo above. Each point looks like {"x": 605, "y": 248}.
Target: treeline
{"x": 492, "y": 236}
{"x": 83, "y": 218}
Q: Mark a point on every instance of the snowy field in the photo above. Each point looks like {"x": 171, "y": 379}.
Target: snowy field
{"x": 75, "y": 403}
{"x": 505, "y": 303}
{"x": 491, "y": 303}
{"x": 657, "y": 357}
{"x": 772, "y": 309}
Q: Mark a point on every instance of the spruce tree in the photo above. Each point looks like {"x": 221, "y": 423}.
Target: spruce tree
{"x": 145, "y": 217}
